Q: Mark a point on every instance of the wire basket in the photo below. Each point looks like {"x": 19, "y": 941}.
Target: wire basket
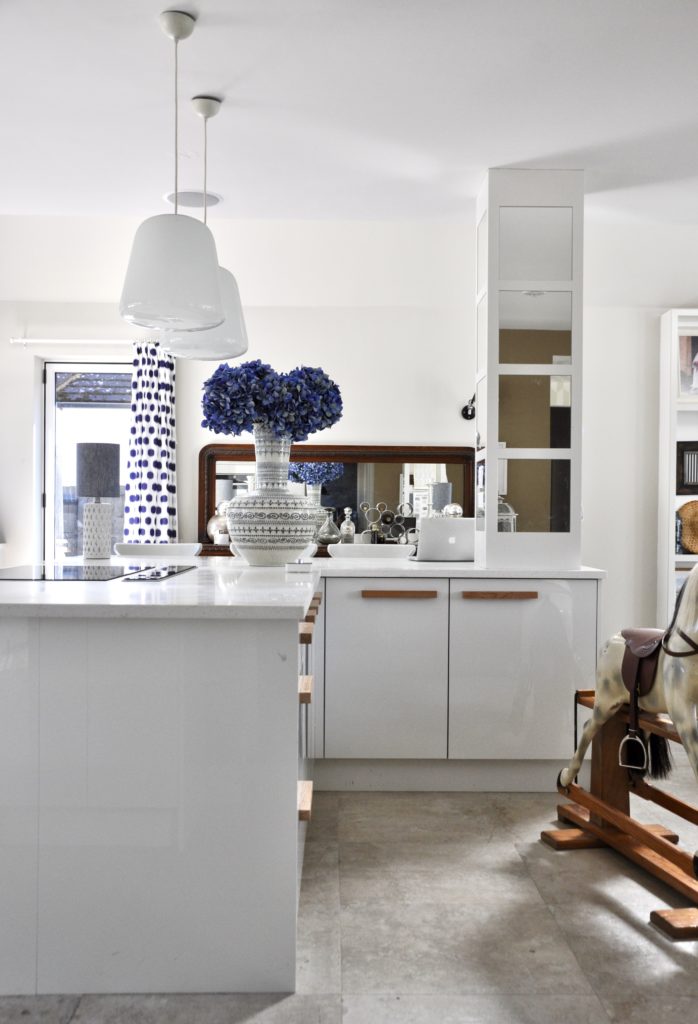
{"x": 688, "y": 514}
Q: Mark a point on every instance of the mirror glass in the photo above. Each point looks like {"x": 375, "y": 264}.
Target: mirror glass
{"x": 535, "y": 495}
{"x": 535, "y": 243}
{"x": 419, "y": 484}
{"x": 535, "y": 327}
{"x": 535, "y": 410}
{"x": 423, "y": 477}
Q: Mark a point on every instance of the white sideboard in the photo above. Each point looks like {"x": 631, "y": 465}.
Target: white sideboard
{"x": 415, "y": 672}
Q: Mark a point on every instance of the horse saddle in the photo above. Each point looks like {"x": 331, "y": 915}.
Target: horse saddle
{"x": 638, "y": 669}
{"x": 640, "y": 658}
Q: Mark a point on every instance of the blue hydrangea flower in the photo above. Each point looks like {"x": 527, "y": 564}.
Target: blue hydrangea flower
{"x": 293, "y": 404}
{"x": 315, "y": 472}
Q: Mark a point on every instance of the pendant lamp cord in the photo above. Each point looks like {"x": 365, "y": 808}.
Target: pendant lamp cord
{"x": 205, "y": 168}
{"x": 176, "y": 132}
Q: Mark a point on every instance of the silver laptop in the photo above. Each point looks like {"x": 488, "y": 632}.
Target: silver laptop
{"x": 446, "y": 539}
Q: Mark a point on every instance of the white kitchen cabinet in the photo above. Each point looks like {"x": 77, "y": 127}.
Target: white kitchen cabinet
{"x": 519, "y": 648}
{"x": 386, "y": 668}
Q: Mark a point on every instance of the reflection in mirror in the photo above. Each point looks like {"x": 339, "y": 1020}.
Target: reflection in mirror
{"x": 534, "y": 411}
{"x": 538, "y": 492}
{"x": 535, "y": 327}
{"x": 535, "y": 243}
{"x": 425, "y": 477}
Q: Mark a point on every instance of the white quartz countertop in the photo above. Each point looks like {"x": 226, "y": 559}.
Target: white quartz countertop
{"x": 398, "y": 567}
{"x": 216, "y": 589}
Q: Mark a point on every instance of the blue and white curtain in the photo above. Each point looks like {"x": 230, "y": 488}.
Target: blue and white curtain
{"x": 150, "y": 502}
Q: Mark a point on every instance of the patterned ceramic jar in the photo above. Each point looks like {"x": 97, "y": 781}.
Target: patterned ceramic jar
{"x": 270, "y": 526}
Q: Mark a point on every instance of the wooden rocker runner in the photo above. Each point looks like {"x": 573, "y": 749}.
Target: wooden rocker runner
{"x": 642, "y": 675}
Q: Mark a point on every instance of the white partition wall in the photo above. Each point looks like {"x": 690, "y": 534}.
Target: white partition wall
{"x": 529, "y": 362}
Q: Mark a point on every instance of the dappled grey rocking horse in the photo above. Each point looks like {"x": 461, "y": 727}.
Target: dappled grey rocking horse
{"x": 642, "y": 675}
{"x": 665, "y": 667}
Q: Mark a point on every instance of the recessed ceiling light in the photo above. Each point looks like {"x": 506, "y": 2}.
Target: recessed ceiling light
{"x": 194, "y": 198}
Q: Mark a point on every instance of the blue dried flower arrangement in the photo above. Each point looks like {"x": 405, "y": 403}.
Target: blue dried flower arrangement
{"x": 295, "y": 404}
{"x": 315, "y": 472}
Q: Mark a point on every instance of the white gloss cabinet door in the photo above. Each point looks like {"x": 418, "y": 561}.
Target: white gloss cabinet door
{"x": 515, "y": 663}
{"x": 19, "y": 804}
{"x": 386, "y": 668}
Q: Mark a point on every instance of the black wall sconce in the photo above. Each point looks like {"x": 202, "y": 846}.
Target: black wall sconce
{"x": 468, "y": 410}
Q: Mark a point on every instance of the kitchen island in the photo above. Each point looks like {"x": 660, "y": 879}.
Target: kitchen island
{"x": 149, "y": 766}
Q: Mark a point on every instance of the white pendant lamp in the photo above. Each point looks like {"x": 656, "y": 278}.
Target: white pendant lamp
{"x": 229, "y": 339}
{"x": 172, "y": 280}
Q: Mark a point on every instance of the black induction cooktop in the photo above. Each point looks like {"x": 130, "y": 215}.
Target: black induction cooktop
{"x": 88, "y": 573}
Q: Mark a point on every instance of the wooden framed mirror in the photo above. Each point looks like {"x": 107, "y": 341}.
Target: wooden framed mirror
{"x": 222, "y": 465}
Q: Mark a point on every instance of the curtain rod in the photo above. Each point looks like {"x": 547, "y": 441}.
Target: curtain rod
{"x": 99, "y": 342}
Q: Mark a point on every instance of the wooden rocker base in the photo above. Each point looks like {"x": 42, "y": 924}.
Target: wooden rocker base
{"x": 601, "y": 817}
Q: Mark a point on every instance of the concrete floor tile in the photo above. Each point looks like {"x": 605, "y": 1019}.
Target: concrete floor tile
{"x": 619, "y": 951}
{"x": 318, "y": 959}
{"x": 209, "y": 1009}
{"x": 320, "y": 854}
{"x": 451, "y": 948}
{"x": 37, "y": 1009}
{"x": 667, "y": 1010}
{"x": 495, "y": 1009}
{"x": 446, "y": 871}
{"x": 323, "y": 821}
{"x": 405, "y": 817}
{"x": 592, "y": 876}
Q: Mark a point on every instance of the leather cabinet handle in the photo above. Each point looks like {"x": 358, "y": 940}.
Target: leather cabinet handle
{"x": 418, "y": 594}
{"x": 499, "y": 595}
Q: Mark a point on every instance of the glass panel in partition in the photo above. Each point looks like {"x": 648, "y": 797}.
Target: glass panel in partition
{"x": 535, "y": 327}
{"x": 534, "y": 410}
{"x": 482, "y": 253}
{"x": 537, "y": 492}
{"x": 535, "y": 243}
{"x": 481, "y": 347}
{"x": 480, "y": 494}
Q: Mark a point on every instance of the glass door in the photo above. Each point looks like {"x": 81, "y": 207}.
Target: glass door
{"x": 83, "y": 402}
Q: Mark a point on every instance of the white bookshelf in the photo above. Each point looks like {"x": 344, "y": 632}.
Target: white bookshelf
{"x": 678, "y": 421}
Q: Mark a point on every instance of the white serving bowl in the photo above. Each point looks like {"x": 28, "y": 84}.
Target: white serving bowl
{"x": 371, "y": 550}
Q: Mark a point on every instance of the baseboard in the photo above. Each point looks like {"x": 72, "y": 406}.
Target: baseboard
{"x": 440, "y": 776}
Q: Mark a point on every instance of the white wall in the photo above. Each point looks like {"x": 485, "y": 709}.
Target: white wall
{"x": 386, "y": 309}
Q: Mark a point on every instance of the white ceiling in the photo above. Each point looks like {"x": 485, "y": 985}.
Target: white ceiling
{"x": 349, "y": 108}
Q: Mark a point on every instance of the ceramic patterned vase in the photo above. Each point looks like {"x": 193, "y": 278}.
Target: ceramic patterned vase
{"x": 270, "y": 526}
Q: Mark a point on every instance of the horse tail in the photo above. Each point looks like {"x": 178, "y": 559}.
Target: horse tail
{"x": 661, "y": 764}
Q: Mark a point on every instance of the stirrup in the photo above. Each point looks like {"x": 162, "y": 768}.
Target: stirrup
{"x": 632, "y": 737}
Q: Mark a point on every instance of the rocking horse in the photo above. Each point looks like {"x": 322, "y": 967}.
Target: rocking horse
{"x": 642, "y": 676}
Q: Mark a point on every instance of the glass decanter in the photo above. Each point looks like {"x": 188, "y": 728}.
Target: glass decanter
{"x": 328, "y": 532}
{"x": 347, "y": 529}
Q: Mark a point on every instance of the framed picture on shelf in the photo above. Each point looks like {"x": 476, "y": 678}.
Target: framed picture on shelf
{"x": 687, "y": 467}
{"x": 688, "y": 367}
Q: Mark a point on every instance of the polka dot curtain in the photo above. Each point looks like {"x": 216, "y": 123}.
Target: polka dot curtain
{"x": 150, "y": 503}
